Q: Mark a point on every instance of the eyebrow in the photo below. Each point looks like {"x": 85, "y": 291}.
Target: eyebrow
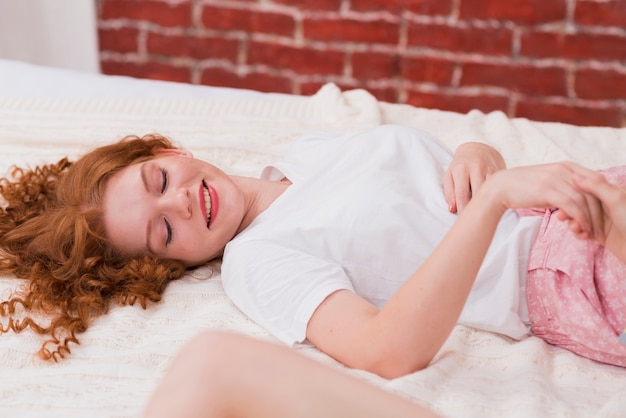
{"x": 146, "y": 185}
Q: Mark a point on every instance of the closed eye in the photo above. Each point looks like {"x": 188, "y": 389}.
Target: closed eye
{"x": 168, "y": 228}
{"x": 164, "y": 180}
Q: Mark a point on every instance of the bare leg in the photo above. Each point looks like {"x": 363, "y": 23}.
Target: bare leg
{"x": 221, "y": 374}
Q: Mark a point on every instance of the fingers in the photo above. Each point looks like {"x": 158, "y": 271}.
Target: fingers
{"x": 462, "y": 187}
{"x": 548, "y": 186}
{"x": 448, "y": 191}
{"x": 594, "y": 183}
{"x": 594, "y": 231}
{"x": 612, "y": 199}
{"x": 594, "y": 201}
{"x": 596, "y": 217}
{"x": 458, "y": 184}
{"x": 582, "y": 210}
{"x": 470, "y": 181}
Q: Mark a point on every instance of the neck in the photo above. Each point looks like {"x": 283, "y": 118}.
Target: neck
{"x": 258, "y": 196}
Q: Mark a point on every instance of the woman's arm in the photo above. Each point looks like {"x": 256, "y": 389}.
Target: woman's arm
{"x": 220, "y": 374}
{"x": 407, "y": 332}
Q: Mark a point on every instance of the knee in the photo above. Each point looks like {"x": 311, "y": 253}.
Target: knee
{"x": 212, "y": 353}
{"x": 200, "y": 378}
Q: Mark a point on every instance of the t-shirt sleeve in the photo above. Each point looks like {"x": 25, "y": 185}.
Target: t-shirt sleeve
{"x": 278, "y": 287}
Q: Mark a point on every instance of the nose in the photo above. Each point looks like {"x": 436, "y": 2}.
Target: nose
{"x": 178, "y": 203}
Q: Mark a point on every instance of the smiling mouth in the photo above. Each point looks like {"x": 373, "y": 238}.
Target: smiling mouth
{"x": 207, "y": 203}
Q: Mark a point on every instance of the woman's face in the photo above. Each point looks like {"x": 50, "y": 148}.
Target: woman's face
{"x": 172, "y": 206}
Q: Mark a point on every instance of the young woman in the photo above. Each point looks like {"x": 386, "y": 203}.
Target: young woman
{"x": 349, "y": 243}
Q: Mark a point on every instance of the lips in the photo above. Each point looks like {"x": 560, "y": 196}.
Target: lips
{"x": 208, "y": 203}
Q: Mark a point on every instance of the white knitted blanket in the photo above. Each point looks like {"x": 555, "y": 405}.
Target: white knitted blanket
{"x": 123, "y": 355}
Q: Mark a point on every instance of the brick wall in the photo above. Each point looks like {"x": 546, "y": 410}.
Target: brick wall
{"x": 547, "y": 60}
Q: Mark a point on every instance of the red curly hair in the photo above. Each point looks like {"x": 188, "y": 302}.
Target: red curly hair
{"x": 52, "y": 236}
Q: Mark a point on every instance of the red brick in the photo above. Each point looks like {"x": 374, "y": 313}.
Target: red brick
{"x": 253, "y": 81}
{"x": 392, "y": 6}
{"x": 193, "y": 46}
{"x": 429, "y": 7}
{"x": 268, "y": 83}
{"x": 604, "y": 13}
{"x": 247, "y": 20}
{"x": 332, "y": 5}
{"x": 301, "y": 60}
{"x": 600, "y": 84}
{"x": 521, "y": 11}
{"x": 527, "y": 79}
{"x": 578, "y": 46}
{"x": 159, "y": 12}
{"x": 424, "y": 7}
{"x": 488, "y": 41}
{"x": 150, "y": 70}
{"x": 373, "y": 65}
{"x": 219, "y": 77}
{"x": 118, "y": 40}
{"x": 430, "y": 70}
{"x": 457, "y": 102}
{"x": 388, "y": 94}
{"x": 310, "y": 88}
{"x": 350, "y": 30}
{"x": 572, "y": 114}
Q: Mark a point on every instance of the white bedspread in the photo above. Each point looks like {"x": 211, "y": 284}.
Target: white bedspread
{"x": 123, "y": 355}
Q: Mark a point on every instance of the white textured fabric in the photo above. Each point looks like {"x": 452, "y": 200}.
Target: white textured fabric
{"x": 123, "y": 354}
{"x": 22, "y": 79}
{"x": 363, "y": 212}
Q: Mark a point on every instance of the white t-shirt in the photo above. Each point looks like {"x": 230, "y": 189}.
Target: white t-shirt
{"x": 363, "y": 212}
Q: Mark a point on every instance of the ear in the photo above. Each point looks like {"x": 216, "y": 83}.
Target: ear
{"x": 175, "y": 151}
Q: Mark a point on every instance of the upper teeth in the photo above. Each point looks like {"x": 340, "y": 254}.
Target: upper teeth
{"x": 207, "y": 204}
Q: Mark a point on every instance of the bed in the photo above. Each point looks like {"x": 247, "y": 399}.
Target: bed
{"x": 49, "y": 113}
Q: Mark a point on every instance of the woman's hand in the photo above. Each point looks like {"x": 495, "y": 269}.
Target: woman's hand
{"x": 612, "y": 198}
{"x": 472, "y": 163}
{"x": 550, "y": 186}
